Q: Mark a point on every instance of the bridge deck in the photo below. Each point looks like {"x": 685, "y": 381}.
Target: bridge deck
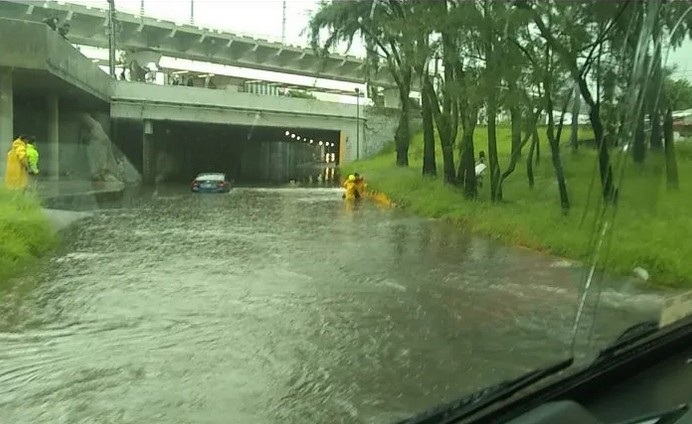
{"x": 89, "y": 27}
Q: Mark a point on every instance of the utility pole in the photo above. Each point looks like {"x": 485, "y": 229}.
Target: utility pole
{"x": 141, "y": 9}
{"x": 192, "y": 12}
{"x": 111, "y": 37}
{"x": 283, "y": 24}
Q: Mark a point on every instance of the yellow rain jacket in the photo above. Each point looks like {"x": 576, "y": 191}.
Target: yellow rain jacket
{"x": 350, "y": 186}
{"x": 32, "y": 158}
{"x": 351, "y": 190}
{"x": 16, "y": 175}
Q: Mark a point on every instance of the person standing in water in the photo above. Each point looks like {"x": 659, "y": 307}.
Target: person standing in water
{"x": 351, "y": 189}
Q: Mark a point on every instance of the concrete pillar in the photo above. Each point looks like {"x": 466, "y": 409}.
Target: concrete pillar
{"x": 6, "y": 117}
{"x": 52, "y": 134}
{"x": 148, "y": 158}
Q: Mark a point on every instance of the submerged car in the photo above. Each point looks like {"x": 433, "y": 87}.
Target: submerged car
{"x": 211, "y": 182}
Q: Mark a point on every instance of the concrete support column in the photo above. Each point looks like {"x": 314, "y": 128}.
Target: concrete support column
{"x": 52, "y": 134}
{"x": 6, "y": 117}
{"x": 148, "y": 172}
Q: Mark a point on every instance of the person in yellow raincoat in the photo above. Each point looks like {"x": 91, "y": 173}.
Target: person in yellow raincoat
{"x": 351, "y": 189}
{"x": 16, "y": 174}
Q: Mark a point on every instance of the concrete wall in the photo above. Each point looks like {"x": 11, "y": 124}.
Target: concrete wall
{"x": 193, "y": 96}
{"x": 139, "y": 101}
{"x": 23, "y": 44}
{"x": 31, "y": 45}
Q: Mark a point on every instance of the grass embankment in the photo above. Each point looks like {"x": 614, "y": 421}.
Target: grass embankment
{"x": 25, "y": 233}
{"x": 651, "y": 230}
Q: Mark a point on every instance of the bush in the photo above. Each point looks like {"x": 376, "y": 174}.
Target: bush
{"x": 25, "y": 232}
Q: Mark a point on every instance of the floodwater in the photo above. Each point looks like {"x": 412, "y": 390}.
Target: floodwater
{"x": 272, "y": 305}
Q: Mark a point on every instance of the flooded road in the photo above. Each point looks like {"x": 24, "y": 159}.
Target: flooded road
{"x": 278, "y": 306}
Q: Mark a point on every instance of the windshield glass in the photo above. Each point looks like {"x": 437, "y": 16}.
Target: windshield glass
{"x": 421, "y": 199}
{"x": 211, "y": 177}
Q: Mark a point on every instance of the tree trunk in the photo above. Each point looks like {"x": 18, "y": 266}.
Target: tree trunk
{"x": 529, "y": 160}
{"x": 495, "y": 188}
{"x": 554, "y": 143}
{"x": 467, "y": 162}
{"x": 639, "y": 146}
{"x": 429, "y": 164}
{"x": 515, "y": 155}
{"x": 604, "y": 168}
{"x": 576, "y": 107}
{"x": 515, "y": 115}
{"x": 403, "y": 132}
{"x": 656, "y": 141}
{"x": 669, "y": 146}
{"x": 494, "y": 165}
{"x": 448, "y": 162}
{"x": 538, "y": 148}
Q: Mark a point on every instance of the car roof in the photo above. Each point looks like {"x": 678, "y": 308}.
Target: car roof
{"x": 211, "y": 176}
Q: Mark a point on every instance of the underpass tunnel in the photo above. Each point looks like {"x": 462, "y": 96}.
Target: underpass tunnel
{"x": 178, "y": 151}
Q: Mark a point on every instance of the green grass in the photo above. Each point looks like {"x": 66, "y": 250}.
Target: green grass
{"x": 651, "y": 230}
{"x": 25, "y": 233}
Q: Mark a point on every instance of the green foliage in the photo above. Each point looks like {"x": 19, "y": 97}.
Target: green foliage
{"x": 679, "y": 93}
{"x": 651, "y": 226}
{"x": 25, "y": 232}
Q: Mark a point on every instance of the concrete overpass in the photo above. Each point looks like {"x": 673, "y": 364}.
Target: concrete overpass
{"x": 137, "y": 33}
{"x": 45, "y": 83}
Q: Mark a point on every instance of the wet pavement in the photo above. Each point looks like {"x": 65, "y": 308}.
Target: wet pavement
{"x": 273, "y": 305}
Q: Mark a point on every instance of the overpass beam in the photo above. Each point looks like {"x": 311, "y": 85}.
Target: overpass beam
{"x": 6, "y": 116}
{"x": 148, "y": 152}
{"x": 53, "y": 134}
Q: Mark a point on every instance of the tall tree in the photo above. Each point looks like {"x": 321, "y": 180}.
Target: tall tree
{"x": 492, "y": 65}
{"x": 423, "y": 52}
{"x": 567, "y": 48}
{"x": 379, "y": 24}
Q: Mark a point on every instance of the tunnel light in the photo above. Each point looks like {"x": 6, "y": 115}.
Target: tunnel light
{"x": 293, "y": 136}
{"x": 287, "y": 133}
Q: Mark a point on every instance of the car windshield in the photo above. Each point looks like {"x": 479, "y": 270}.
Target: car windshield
{"x": 211, "y": 177}
{"x": 332, "y": 211}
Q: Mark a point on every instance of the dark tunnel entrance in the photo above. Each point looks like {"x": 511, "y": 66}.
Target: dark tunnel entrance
{"x": 248, "y": 155}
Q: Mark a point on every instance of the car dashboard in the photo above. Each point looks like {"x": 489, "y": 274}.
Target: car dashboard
{"x": 658, "y": 394}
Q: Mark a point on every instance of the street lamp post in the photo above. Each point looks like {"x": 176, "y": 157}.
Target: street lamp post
{"x": 357, "y": 123}
{"x": 111, "y": 37}
{"x": 192, "y": 12}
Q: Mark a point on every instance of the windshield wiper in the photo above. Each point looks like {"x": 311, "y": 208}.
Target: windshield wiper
{"x": 630, "y": 335}
{"x": 484, "y": 398}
